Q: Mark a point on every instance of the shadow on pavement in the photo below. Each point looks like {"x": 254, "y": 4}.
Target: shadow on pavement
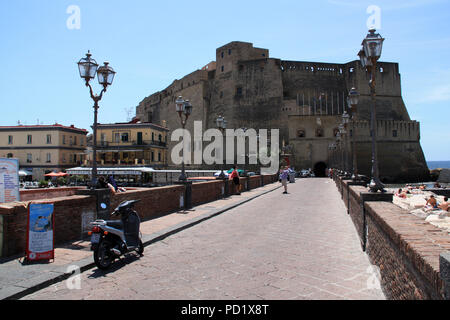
{"x": 117, "y": 265}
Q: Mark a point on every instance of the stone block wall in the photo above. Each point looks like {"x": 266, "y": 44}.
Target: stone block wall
{"x": 68, "y": 213}
{"x": 405, "y": 248}
{"x": 48, "y": 193}
{"x": 73, "y": 213}
{"x": 203, "y": 192}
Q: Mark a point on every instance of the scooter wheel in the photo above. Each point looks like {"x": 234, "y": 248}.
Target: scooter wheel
{"x": 103, "y": 257}
{"x": 140, "y": 249}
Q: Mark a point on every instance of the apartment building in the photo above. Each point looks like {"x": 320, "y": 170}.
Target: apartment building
{"x": 43, "y": 148}
{"x": 132, "y": 143}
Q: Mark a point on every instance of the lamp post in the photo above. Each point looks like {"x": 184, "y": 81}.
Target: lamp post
{"x": 222, "y": 125}
{"x": 88, "y": 67}
{"x": 184, "y": 109}
{"x": 345, "y": 119}
{"x": 339, "y": 147}
{"x": 371, "y": 51}
{"x": 353, "y": 97}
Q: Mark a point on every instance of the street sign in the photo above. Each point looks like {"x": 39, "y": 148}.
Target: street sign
{"x": 9, "y": 180}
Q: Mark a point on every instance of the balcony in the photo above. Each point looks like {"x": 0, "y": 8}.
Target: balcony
{"x": 132, "y": 143}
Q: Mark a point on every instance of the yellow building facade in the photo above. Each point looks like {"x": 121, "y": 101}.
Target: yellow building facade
{"x": 43, "y": 148}
{"x": 132, "y": 144}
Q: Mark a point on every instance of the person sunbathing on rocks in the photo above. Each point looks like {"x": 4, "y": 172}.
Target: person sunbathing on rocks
{"x": 431, "y": 204}
{"x": 445, "y": 205}
{"x": 400, "y": 193}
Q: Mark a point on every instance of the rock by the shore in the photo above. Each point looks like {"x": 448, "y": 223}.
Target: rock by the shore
{"x": 444, "y": 176}
{"x": 415, "y": 202}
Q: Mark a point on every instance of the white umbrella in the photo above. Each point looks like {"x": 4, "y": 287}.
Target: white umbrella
{"x": 24, "y": 173}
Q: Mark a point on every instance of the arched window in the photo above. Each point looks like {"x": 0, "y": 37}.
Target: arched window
{"x": 319, "y": 132}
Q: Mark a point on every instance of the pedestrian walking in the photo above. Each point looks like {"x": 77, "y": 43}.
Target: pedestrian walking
{"x": 235, "y": 177}
{"x": 284, "y": 175}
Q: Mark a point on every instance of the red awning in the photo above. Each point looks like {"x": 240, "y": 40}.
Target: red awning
{"x": 56, "y": 174}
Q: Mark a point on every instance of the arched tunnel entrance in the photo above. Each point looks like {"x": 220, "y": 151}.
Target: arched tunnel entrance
{"x": 319, "y": 169}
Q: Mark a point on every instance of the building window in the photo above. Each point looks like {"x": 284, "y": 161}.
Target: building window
{"x": 153, "y": 156}
{"x": 335, "y": 131}
{"x": 221, "y": 55}
{"x": 239, "y": 91}
{"x": 116, "y": 137}
{"x": 64, "y": 139}
{"x": 10, "y": 139}
{"x": 49, "y": 157}
{"x": 221, "y": 68}
{"x": 71, "y": 140}
{"x": 229, "y": 52}
{"x": 125, "y": 137}
{"x": 153, "y": 136}
{"x": 241, "y": 67}
{"x": 300, "y": 133}
{"x": 159, "y": 156}
{"x": 221, "y": 94}
{"x": 10, "y": 155}
{"x": 319, "y": 132}
{"x": 75, "y": 140}
{"x": 160, "y": 138}
{"x": 81, "y": 141}
{"x": 29, "y": 139}
{"x": 49, "y": 139}
{"x": 64, "y": 158}
{"x": 29, "y": 158}
{"x": 394, "y": 133}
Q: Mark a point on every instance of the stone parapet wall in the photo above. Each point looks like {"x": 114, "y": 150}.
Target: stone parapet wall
{"x": 73, "y": 213}
{"x": 48, "y": 193}
{"x": 405, "y": 248}
{"x": 70, "y": 214}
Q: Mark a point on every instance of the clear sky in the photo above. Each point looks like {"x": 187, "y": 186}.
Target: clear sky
{"x": 150, "y": 43}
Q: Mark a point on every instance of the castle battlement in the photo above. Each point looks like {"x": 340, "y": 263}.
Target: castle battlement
{"x": 251, "y": 89}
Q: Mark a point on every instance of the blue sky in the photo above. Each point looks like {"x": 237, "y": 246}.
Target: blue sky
{"x": 151, "y": 43}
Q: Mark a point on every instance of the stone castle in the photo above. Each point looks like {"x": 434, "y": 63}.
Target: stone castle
{"x": 305, "y": 101}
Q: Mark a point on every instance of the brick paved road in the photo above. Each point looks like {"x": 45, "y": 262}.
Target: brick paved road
{"x": 297, "y": 246}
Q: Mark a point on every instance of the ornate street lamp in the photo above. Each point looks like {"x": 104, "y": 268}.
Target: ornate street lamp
{"x": 339, "y": 147}
{"x": 371, "y": 51}
{"x": 345, "y": 119}
{"x": 184, "y": 109}
{"x": 88, "y": 67}
{"x": 352, "y": 99}
{"x": 221, "y": 123}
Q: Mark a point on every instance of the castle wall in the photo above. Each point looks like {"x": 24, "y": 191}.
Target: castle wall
{"x": 252, "y": 90}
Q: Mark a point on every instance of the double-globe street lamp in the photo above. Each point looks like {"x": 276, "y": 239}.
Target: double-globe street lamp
{"x": 184, "y": 109}
{"x": 353, "y": 97}
{"x": 88, "y": 68}
{"x": 339, "y": 151}
{"x": 345, "y": 120}
{"x": 369, "y": 54}
{"x": 221, "y": 123}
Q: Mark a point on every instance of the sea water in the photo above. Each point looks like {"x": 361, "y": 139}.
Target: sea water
{"x": 438, "y": 164}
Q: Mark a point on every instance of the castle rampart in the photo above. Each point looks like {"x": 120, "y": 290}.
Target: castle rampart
{"x": 252, "y": 90}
